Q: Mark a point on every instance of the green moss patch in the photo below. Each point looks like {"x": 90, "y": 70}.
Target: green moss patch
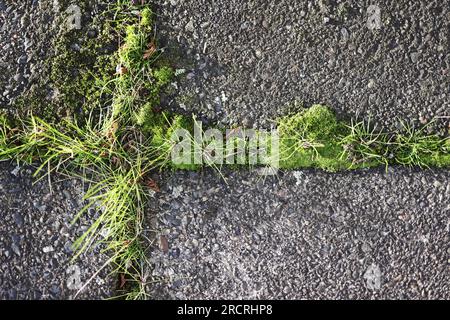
{"x": 311, "y": 139}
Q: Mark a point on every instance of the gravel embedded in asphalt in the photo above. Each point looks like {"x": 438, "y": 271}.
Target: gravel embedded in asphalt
{"x": 304, "y": 235}
{"x": 36, "y": 237}
{"x": 248, "y": 61}
{"x": 307, "y": 234}
{"x": 27, "y": 29}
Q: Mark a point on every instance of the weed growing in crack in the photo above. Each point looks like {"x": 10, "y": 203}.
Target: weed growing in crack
{"x": 315, "y": 138}
{"x": 4, "y": 132}
{"x": 365, "y": 145}
{"x": 414, "y": 147}
{"x": 115, "y": 166}
{"x": 113, "y": 150}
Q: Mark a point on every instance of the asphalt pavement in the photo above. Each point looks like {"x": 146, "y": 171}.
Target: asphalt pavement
{"x": 368, "y": 234}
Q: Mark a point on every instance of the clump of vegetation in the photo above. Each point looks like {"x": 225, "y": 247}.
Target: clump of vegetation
{"x": 114, "y": 143}
{"x": 316, "y": 123}
{"x": 315, "y": 138}
{"x": 364, "y": 145}
{"x": 116, "y": 171}
{"x": 414, "y": 147}
{"x": 310, "y": 138}
{"x": 4, "y": 131}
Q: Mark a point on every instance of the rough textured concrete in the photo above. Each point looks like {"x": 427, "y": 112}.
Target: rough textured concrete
{"x": 305, "y": 235}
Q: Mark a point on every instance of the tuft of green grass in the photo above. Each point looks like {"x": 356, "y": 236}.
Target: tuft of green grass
{"x": 116, "y": 170}
{"x": 115, "y": 145}
{"x": 364, "y": 145}
{"x": 4, "y": 132}
{"x": 414, "y": 147}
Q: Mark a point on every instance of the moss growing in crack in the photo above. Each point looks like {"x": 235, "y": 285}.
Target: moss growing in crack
{"x": 414, "y": 147}
{"x": 146, "y": 17}
{"x": 315, "y": 123}
{"x": 315, "y": 138}
{"x": 140, "y": 78}
{"x": 162, "y": 139}
{"x": 441, "y": 158}
{"x": 310, "y": 139}
{"x": 163, "y": 76}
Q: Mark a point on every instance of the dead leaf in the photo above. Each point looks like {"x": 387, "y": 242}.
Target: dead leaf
{"x": 164, "y": 244}
{"x": 123, "y": 281}
{"x": 121, "y": 70}
{"x": 111, "y": 133}
{"x": 153, "y": 185}
{"x": 151, "y": 49}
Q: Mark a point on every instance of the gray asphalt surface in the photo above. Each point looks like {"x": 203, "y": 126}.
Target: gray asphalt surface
{"x": 36, "y": 237}
{"x": 350, "y": 235}
{"x": 35, "y": 230}
{"x": 28, "y": 28}
{"x": 307, "y": 234}
{"x": 248, "y": 61}
{"x": 304, "y": 235}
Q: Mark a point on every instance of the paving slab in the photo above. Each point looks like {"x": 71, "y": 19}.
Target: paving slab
{"x": 306, "y": 234}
